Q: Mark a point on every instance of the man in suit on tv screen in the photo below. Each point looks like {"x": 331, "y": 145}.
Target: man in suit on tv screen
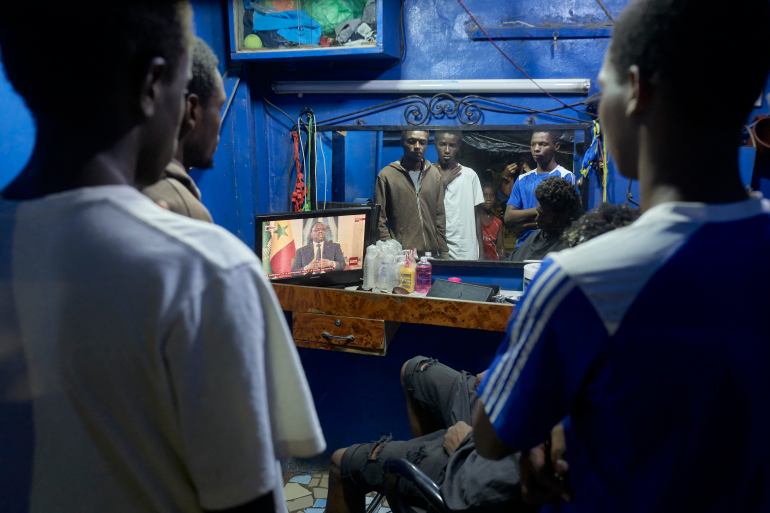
{"x": 319, "y": 254}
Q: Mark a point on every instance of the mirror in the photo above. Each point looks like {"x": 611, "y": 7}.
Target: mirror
{"x": 353, "y": 157}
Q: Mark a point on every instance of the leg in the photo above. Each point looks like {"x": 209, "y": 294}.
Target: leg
{"x": 344, "y": 496}
{"x": 437, "y": 396}
{"x": 421, "y": 421}
{"x": 357, "y": 470}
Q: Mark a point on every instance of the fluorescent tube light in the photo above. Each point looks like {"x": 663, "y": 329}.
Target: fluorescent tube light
{"x": 551, "y": 85}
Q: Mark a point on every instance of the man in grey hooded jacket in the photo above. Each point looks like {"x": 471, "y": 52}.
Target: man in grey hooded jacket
{"x": 411, "y": 197}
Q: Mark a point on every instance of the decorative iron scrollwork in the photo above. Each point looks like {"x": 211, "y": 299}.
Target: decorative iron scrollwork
{"x": 421, "y": 111}
{"x": 467, "y": 110}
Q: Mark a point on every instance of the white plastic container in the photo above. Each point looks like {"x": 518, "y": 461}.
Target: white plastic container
{"x": 371, "y": 266}
{"x": 530, "y": 270}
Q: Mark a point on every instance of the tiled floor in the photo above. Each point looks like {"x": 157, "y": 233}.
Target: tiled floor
{"x": 306, "y": 486}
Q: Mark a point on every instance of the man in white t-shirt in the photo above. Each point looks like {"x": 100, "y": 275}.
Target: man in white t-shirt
{"x": 521, "y": 209}
{"x": 146, "y": 364}
{"x": 462, "y": 198}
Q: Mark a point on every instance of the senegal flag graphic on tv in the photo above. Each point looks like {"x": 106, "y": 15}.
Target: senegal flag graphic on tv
{"x": 278, "y": 247}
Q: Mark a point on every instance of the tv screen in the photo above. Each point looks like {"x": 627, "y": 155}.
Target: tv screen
{"x": 321, "y": 247}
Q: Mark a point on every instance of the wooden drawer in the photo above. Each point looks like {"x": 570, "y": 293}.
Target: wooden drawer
{"x": 339, "y": 333}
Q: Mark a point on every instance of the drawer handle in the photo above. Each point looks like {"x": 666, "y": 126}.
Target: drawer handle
{"x": 338, "y": 340}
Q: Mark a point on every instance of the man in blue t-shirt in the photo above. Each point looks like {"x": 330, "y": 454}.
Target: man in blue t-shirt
{"x": 521, "y": 209}
{"x": 657, "y": 372}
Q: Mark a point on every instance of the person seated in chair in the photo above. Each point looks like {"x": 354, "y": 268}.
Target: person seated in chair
{"x": 439, "y": 403}
{"x": 319, "y": 254}
{"x": 604, "y": 218}
{"x": 557, "y": 206}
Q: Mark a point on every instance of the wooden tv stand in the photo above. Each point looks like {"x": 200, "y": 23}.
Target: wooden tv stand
{"x": 358, "y": 321}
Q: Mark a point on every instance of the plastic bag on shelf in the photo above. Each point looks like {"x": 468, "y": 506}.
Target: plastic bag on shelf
{"x": 330, "y": 13}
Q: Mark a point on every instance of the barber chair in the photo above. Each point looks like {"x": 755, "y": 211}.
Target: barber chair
{"x": 429, "y": 492}
{"x": 397, "y": 469}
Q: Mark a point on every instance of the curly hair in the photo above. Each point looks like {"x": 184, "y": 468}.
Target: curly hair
{"x": 606, "y": 217}
{"x": 561, "y": 197}
{"x": 205, "y": 71}
{"x": 674, "y": 42}
{"x": 103, "y": 55}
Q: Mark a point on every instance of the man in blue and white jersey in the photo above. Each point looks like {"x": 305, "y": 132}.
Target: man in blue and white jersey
{"x": 521, "y": 209}
{"x": 648, "y": 342}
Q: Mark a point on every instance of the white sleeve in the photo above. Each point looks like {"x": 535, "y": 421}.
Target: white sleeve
{"x": 478, "y": 193}
{"x": 215, "y": 358}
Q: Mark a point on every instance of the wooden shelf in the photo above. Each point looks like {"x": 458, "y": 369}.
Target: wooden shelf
{"x": 394, "y": 308}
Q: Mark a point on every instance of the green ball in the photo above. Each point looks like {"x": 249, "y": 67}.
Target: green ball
{"x": 252, "y": 42}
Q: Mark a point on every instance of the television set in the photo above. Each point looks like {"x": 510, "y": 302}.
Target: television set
{"x": 318, "y": 247}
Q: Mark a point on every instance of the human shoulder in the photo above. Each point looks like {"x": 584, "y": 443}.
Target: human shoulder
{"x": 161, "y": 189}
{"x": 469, "y": 172}
{"x": 186, "y": 237}
{"x": 614, "y": 267}
{"x": 394, "y": 168}
{"x": 526, "y": 177}
{"x": 432, "y": 169}
{"x": 469, "y": 176}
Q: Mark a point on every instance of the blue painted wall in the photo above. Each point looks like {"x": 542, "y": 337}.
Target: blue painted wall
{"x": 438, "y": 46}
{"x": 256, "y": 145}
{"x": 17, "y": 132}
{"x": 252, "y": 166}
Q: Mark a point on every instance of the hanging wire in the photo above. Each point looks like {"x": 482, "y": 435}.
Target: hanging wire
{"x": 606, "y": 11}
{"x": 276, "y": 107}
{"x": 591, "y": 99}
{"x": 630, "y": 195}
{"x": 302, "y": 153}
{"x": 229, "y": 103}
{"x": 323, "y": 158}
{"x": 513, "y": 63}
{"x": 312, "y": 151}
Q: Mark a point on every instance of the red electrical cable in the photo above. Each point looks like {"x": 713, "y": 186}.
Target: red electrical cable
{"x": 298, "y": 195}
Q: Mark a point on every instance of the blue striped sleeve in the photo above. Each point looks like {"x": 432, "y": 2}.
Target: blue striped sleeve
{"x": 541, "y": 364}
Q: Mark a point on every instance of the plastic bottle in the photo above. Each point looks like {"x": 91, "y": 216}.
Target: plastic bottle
{"x": 394, "y": 277}
{"x": 383, "y": 265}
{"x": 407, "y": 272}
{"x": 370, "y": 267}
{"x": 424, "y": 271}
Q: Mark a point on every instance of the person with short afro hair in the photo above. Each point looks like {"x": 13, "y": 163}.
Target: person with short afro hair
{"x": 116, "y": 46}
{"x": 604, "y": 218}
{"x": 558, "y": 204}
{"x": 198, "y": 138}
{"x": 628, "y": 379}
{"x": 145, "y": 362}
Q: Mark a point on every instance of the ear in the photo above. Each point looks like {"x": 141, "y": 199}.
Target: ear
{"x": 150, "y": 87}
{"x": 193, "y": 112}
{"x": 638, "y": 92}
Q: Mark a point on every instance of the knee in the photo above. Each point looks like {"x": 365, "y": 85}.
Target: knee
{"x": 404, "y": 369}
{"x": 336, "y": 460}
{"x": 414, "y": 366}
